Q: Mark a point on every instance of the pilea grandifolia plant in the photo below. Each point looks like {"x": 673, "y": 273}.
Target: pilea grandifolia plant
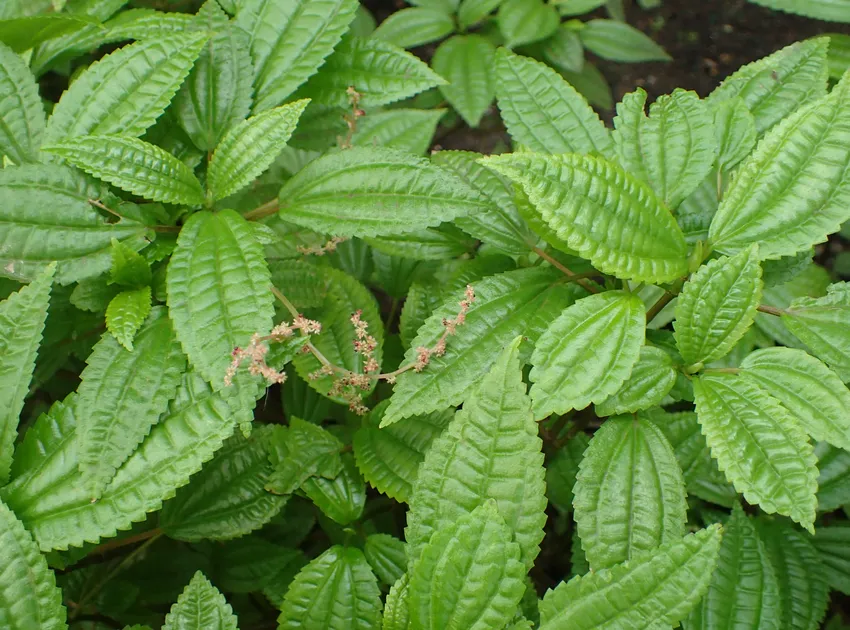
{"x": 234, "y": 361}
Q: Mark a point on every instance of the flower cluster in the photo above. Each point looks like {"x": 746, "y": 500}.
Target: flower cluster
{"x": 423, "y": 354}
{"x": 320, "y": 250}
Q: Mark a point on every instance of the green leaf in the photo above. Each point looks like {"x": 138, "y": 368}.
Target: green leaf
{"x": 469, "y": 575}
{"x": 415, "y": 26}
{"x": 125, "y": 92}
{"x": 251, "y": 564}
{"x": 561, "y": 471}
{"x": 396, "y": 608}
{"x": 810, "y": 282}
{"x": 545, "y": 113}
{"x": 489, "y": 451}
{"x": 410, "y": 130}
{"x": 126, "y": 313}
{"x": 831, "y": 10}
{"x": 656, "y": 589}
{"x": 466, "y": 62}
{"x": 387, "y": 557}
{"x": 521, "y": 302}
{"x": 28, "y": 594}
{"x": 21, "y": 34}
{"x": 780, "y": 84}
{"x": 838, "y": 55}
{"x": 651, "y": 380}
{"x": 578, "y": 7}
{"x": 342, "y": 498}
{"x": 759, "y": 445}
{"x": 735, "y": 130}
{"x": 834, "y": 478}
{"x": 200, "y": 607}
{"x": 629, "y": 493}
{"x": 576, "y": 194}
{"x": 301, "y": 451}
{"x": 673, "y": 150}
{"x": 218, "y": 291}
{"x": 717, "y": 306}
{"x": 21, "y": 110}
{"x": 133, "y": 165}
{"x": 617, "y": 41}
{"x": 602, "y": 333}
{"x": 374, "y": 191}
{"x": 523, "y": 22}
{"x": 439, "y": 243}
{"x": 227, "y": 499}
{"x": 833, "y": 545}
{"x": 336, "y": 591}
{"x": 289, "y": 41}
{"x": 564, "y": 50}
{"x": 129, "y": 267}
{"x": 22, "y": 317}
{"x": 470, "y": 12}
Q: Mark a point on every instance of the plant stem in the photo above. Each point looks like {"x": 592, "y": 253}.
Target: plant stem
{"x": 565, "y": 270}
{"x": 770, "y": 310}
{"x": 263, "y": 211}
{"x": 123, "y": 542}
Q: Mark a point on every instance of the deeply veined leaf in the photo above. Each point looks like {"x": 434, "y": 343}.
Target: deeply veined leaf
{"x": 342, "y": 498}
{"x": 544, "y": 112}
{"x": 218, "y": 291}
{"x": 200, "y": 607}
{"x": 466, "y": 62}
{"x": 469, "y": 575}
{"x": 793, "y": 190}
{"x": 144, "y": 24}
{"x": 439, "y": 243}
{"x": 834, "y": 478}
{"x": 21, "y": 110}
{"x": 831, "y": 10}
{"x": 656, "y": 589}
{"x": 651, "y": 380}
{"x": 617, "y": 41}
{"x": 812, "y": 281}
{"x": 523, "y": 22}
{"x": 374, "y": 191}
{"x": 22, "y": 317}
{"x": 673, "y": 149}
{"x": 415, "y": 26}
{"x": 735, "y": 130}
{"x": 126, "y": 313}
{"x": 744, "y": 592}
{"x": 490, "y": 450}
{"x": 629, "y": 493}
{"x": 397, "y": 608}
{"x": 759, "y": 445}
{"x": 28, "y": 594}
{"x": 577, "y": 195}
{"x": 289, "y": 41}
{"x": 336, "y": 591}
{"x": 386, "y": 556}
{"x": 133, "y": 165}
{"x": 834, "y": 551}
{"x": 125, "y": 92}
{"x": 717, "y": 306}
{"x": 521, "y": 302}
{"x": 410, "y": 130}
{"x": 46, "y": 216}
{"x": 227, "y": 499}
{"x": 561, "y": 471}
{"x": 300, "y": 451}
{"x": 774, "y": 87}
{"x": 587, "y": 353}
{"x": 56, "y": 508}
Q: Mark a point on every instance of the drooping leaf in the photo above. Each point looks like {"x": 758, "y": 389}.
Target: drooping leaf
{"x": 466, "y": 62}
{"x": 397, "y": 607}
{"x": 126, "y": 313}
{"x": 651, "y": 380}
{"x": 410, "y": 130}
{"x": 342, "y": 498}
{"x": 415, "y": 26}
{"x": 617, "y": 41}
{"x": 200, "y": 607}
{"x": 21, "y": 110}
{"x": 834, "y": 551}
{"x": 735, "y": 129}
{"x": 386, "y": 556}
{"x": 523, "y": 22}
{"x": 834, "y": 478}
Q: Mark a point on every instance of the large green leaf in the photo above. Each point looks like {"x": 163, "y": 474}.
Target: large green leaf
{"x": 654, "y": 590}
{"x": 21, "y": 110}
{"x": 469, "y": 575}
{"x": 833, "y": 545}
{"x": 415, "y": 26}
{"x": 521, "y": 302}
{"x": 200, "y": 607}
{"x": 793, "y": 190}
{"x": 342, "y": 498}
{"x": 523, "y": 22}
{"x": 578, "y": 195}
{"x": 22, "y": 317}
{"x": 830, "y": 10}
{"x": 218, "y": 291}
{"x": 834, "y": 478}
{"x": 386, "y": 556}
{"x": 300, "y": 451}
{"x": 717, "y": 306}
{"x": 673, "y": 149}
{"x": 544, "y": 112}
{"x": 29, "y": 598}
{"x": 735, "y": 129}
{"x": 490, "y": 450}
{"x": 759, "y": 445}
{"x": 587, "y": 353}
{"x": 618, "y": 41}
{"x": 336, "y": 591}
{"x": 125, "y": 92}
{"x": 289, "y": 41}
{"x": 651, "y": 380}
{"x": 375, "y": 191}
{"x": 466, "y": 62}
{"x": 133, "y": 165}
{"x": 410, "y": 130}
{"x": 440, "y": 243}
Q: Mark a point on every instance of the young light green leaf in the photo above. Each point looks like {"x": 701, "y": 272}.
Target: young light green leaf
{"x": 523, "y": 22}
{"x": 125, "y": 92}
{"x": 587, "y": 353}
{"x": 21, "y": 110}
{"x": 218, "y": 291}
{"x": 342, "y": 498}
{"x": 576, "y": 194}
{"x": 759, "y": 445}
{"x": 410, "y": 130}
{"x": 833, "y": 545}
{"x": 629, "y": 493}
{"x": 656, "y": 589}
{"x": 22, "y": 33}
{"x": 470, "y": 12}
{"x": 386, "y": 556}
{"x": 466, "y": 62}
{"x": 28, "y": 594}
{"x": 617, "y": 41}
{"x": 561, "y": 472}
{"x": 336, "y": 591}
{"x": 544, "y": 112}
{"x": 200, "y": 607}
{"x": 717, "y": 306}
{"x": 651, "y": 380}
{"x": 673, "y": 150}
{"x": 22, "y": 317}
{"x": 375, "y": 191}
{"x": 250, "y": 147}
{"x": 397, "y": 607}
{"x": 129, "y": 267}
{"x": 289, "y": 41}
{"x": 577, "y": 7}
{"x": 414, "y": 27}
{"x": 469, "y": 575}
{"x": 735, "y": 129}
{"x": 490, "y": 450}
{"x": 126, "y": 313}
{"x": 133, "y": 165}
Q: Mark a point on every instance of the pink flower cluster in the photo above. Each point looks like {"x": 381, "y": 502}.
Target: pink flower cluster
{"x": 423, "y": 354}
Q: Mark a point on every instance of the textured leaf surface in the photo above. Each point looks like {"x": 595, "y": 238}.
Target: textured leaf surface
{"x": 342, "y": 498}
{"x": 834, "y": 551}
{"x": 466, "y": 62}
{"x": 386, "y": 556}
{"x": 601, "y": 212}
{"x": 735, "y": 130}
{"x": 415, "y": 26}
{"x": 834, "y": 479}
{"x": 302, "y": 451}
{"x": 440, "y": 243}
{"x": 200, "y": 607}
{"x": 469, "y": 575}
{"x": 656, "y": 589}
{"x": 651, "y": 380}
{"x": 126, "y": 313}
{"x": 617, "y": 41}
{"x": 759, "y": 445}
{"x": 490, "y": 450}
{"x": 21, "y": 110}
{"x": 396, "y": 608}
{"x": 587, "y": 353}
{"x": 410, "y": 130}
